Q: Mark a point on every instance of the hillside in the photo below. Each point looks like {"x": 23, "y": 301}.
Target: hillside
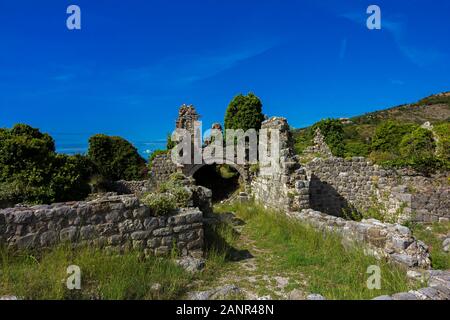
{"x": 390, "y": 136}
{"x": 435, "y": 109}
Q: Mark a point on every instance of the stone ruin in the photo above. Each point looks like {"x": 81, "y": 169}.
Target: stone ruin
{"x": 317, "y": 193}
{"x": 319, "y": 146}
{"x": 187, "y": 116}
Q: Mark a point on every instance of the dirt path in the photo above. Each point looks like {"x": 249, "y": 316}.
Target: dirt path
{"x": 251, "y": 270}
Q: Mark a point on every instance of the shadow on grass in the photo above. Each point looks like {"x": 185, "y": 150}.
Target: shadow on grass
{"x": 221, "y": 236}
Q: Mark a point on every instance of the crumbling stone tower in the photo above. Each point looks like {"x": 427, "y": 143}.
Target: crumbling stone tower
{"x": 288, "y": 187}
{"x": 187, "y": 116}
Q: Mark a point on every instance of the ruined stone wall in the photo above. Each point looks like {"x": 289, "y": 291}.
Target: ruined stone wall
{"x": 138, "y": 187}
{"x": 162, "y": 168}
{"x": 340, "y": 185}
{"x": 383, "y": 240}
{"x": 116, "y": 222}
{"x": 287, "y": 187}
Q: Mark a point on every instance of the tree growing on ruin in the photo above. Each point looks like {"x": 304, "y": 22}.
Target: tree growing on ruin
{"x": 244, "y": 112}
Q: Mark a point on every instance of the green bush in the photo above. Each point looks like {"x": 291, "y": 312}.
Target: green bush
{"x": 388, "y": 136}
{"x": 419, "y": 144}
{"x": 303, "y": 138}
{"x": 116, "y": 159}
{"x": 160, "y": 203}
{"x": 170, "y": 144}
{"x": 333, "y": 132}
{"x": 70, "y": 180}
{"x": 425, "y": 165}
{"x": 31, "y": 171}
{"x": 244, "y": 112}
{"x": 356, "y": 149}
{"x": 175, "y": 187}
{"x": 442, "y": 132}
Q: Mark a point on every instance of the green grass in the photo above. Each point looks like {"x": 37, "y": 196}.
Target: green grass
{"x": 330, "y": 268}
{"x": 286, "y": 247}
{"x": 439, "y": 258}
{"x": 104, "y": 275}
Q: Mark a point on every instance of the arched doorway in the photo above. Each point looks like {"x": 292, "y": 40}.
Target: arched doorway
{"x": 222, "y": 179}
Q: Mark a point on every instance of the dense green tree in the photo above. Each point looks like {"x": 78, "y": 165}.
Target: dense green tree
{"x": 244, "y": 112}
{"x": 31, "y": 171}
{"x": 115, "y": 158}
{"x": 70, "y": 178}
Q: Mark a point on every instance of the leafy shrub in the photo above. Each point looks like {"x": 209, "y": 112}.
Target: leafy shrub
{"x": 388, "y": 136}
{"x": 160, "y": 203}
{"x": 419, "y": 143}
{"x": 115, "y": 158}
{"x": 381, "y": 156}
{"x": 170, "y": 144}
{"x": 31, "y": 171}
{"x": 244, "y": 112}
{"x": 174, "y": 186}
{"x": 303, "y": 138}
{"x": 333, "y": 131}
{"x": 442, "y": 132}
{"x": 182, "y": 196}
{"x": 71, "y": 176}
{"x": 177, "y": 176}
{"x": 356, "y": 149}
{"x": 426, "y": 164}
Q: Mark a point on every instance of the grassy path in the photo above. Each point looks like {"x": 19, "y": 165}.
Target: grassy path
{"x": 250, "y": 267}
{"x": 267, "y": 254}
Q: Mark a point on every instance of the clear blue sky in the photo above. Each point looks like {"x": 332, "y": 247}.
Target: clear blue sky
{"x": 134, "y": 62}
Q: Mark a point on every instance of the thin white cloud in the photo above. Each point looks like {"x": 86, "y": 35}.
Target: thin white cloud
{"x": 186, "y": 69}
{"x": 397, "y": 82}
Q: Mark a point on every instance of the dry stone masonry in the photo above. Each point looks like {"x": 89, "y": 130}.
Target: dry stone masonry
{"x": 340, "y": 185}
{"x": 162, "y": 168}
{"x": 286, "y": 188}
{"x": 114, "y": 222}
{"x": 132, "y": 187}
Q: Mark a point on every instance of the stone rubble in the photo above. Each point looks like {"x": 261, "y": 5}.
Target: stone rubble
{"x": 438, "y": 288}
{"x": 219, "y": 293}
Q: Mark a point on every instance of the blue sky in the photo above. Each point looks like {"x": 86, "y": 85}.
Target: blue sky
{"x": 134, "y": 63}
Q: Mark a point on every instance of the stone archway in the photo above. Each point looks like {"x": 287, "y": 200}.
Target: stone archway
{"x": 192, "y": 169}
{"x": 223, "y": 180}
